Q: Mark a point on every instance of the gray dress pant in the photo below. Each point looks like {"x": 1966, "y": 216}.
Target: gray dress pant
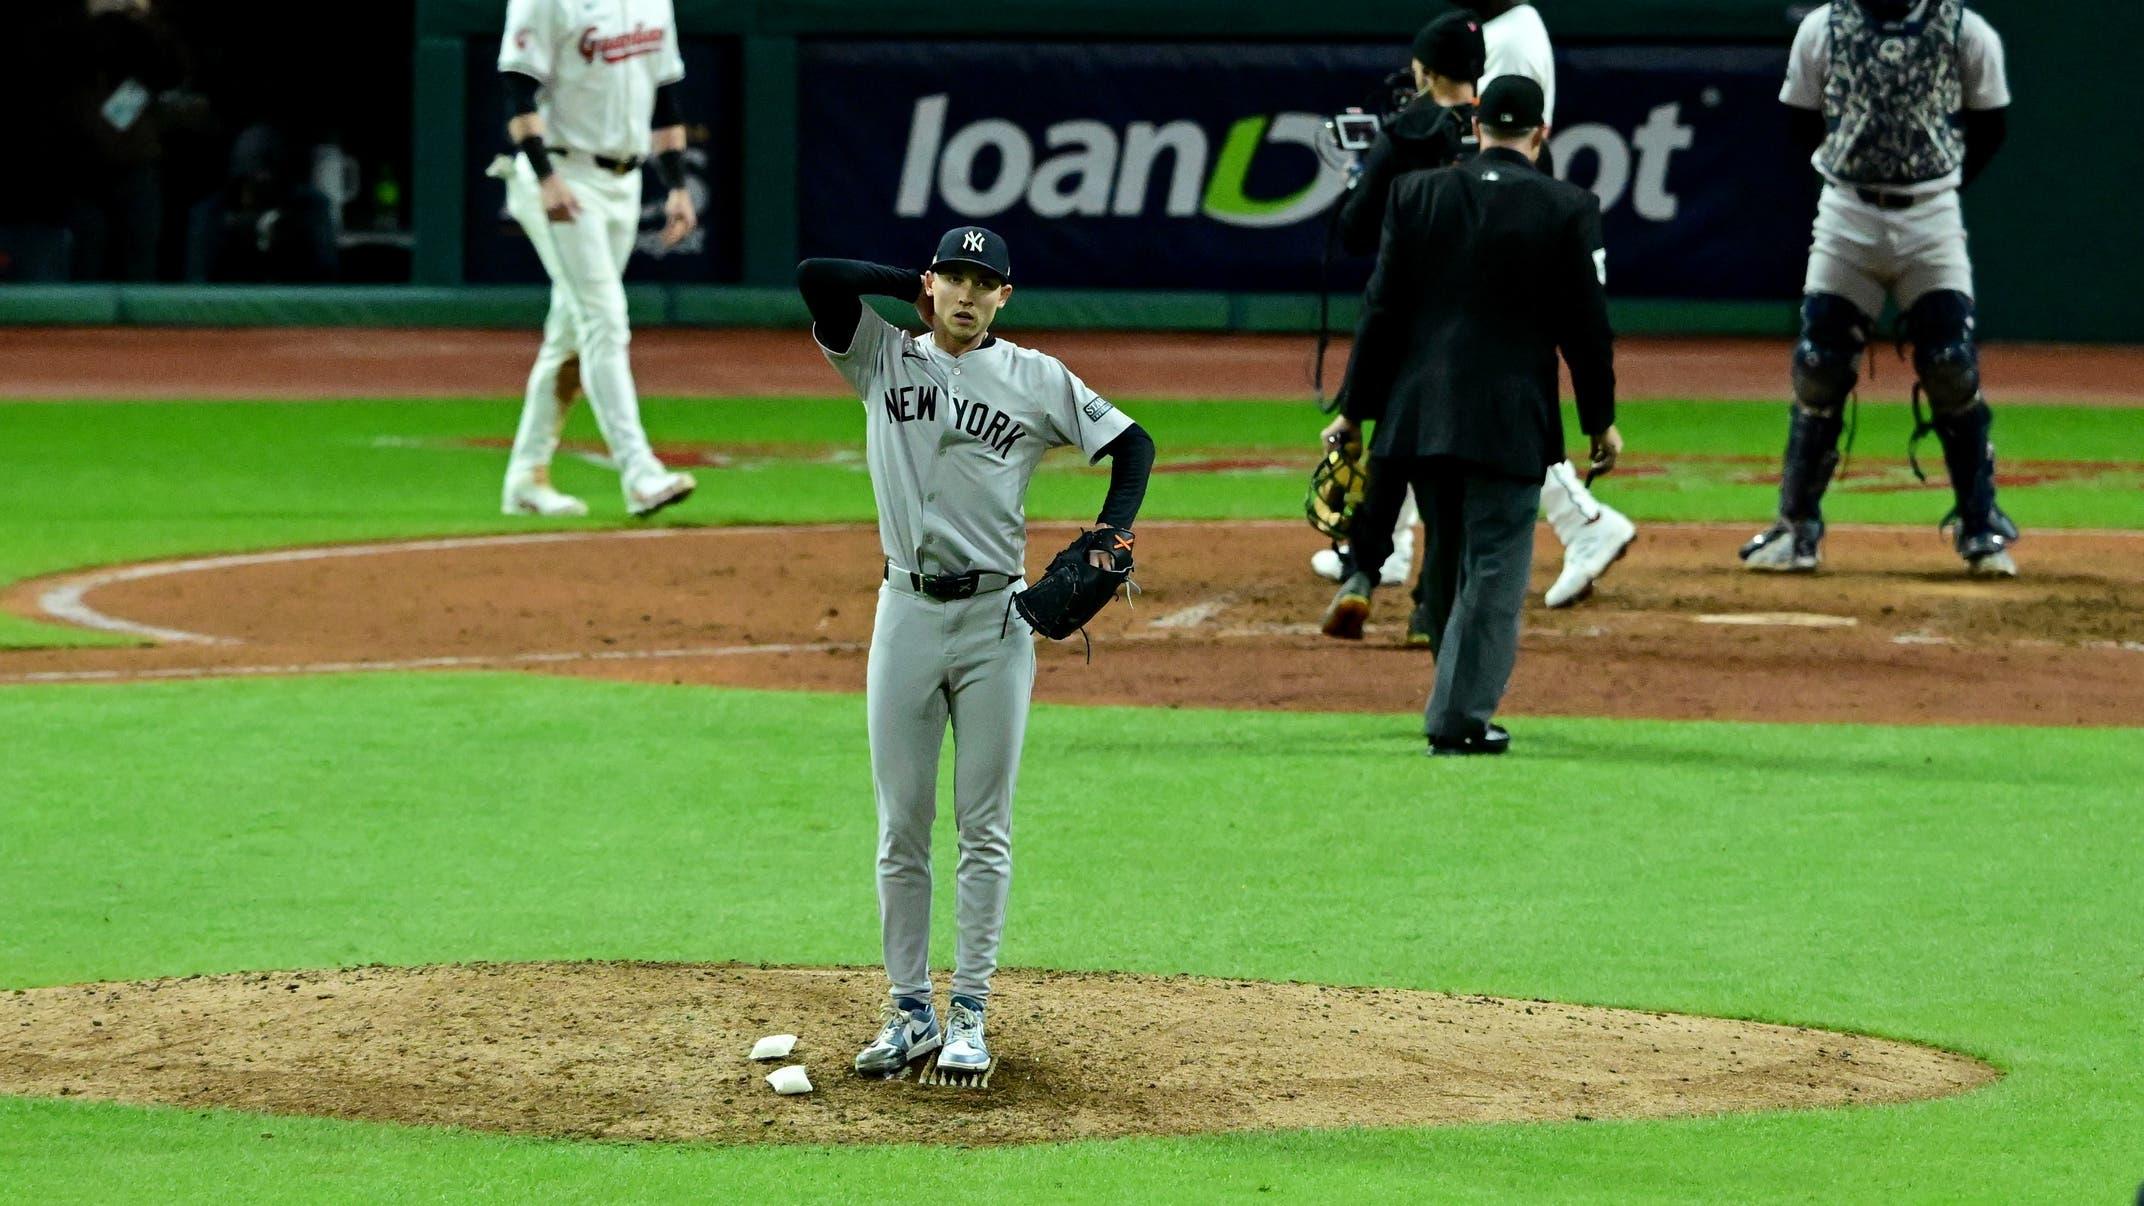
{"x": 1478, "y": 556}
{"x": 1486, "y": 519}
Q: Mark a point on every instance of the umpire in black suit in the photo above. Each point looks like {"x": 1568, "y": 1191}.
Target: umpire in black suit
{"x": 1486, "y": 271}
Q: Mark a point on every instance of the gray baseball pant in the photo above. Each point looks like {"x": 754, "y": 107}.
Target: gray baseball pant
{"x": 965, "y": 661}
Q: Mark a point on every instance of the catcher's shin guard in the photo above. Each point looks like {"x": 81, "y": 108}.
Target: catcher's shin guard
{"x": 1983, "y": 532}
{"x": 1811, "y": 458}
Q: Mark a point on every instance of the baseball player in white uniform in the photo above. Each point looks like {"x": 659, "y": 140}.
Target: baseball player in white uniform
{"x": 586, "y": 83}
{"x": 1594, "y": 535}
{"x": 1902, "y": 104}
{"x": 955, "y": 422}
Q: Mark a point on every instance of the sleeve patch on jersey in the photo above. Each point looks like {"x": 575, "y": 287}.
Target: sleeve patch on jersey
{"x": 1600, "y": 264}
{"x": 1095, "y": 409}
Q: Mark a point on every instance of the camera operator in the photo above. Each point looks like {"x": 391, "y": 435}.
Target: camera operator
{"x": 1451, "y": 54}
{"x": 1433, "y": 132}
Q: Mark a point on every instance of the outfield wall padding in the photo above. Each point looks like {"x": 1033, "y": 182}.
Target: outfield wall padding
{"x": 652, "y": 306}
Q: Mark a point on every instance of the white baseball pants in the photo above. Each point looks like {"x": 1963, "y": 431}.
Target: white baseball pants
{"x": 586, "y": 260}
{"x": 1864, "y": 254}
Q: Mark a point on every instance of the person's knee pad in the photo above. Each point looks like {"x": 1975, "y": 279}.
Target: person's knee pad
{"x": 1946, "y": 358}
{"x": 1827, "y": 358}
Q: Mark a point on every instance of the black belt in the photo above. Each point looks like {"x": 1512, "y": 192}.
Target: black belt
{"x": 616, "y": 167}
{"x": 1887, "y": 200}
{"x": 947, "y": 587}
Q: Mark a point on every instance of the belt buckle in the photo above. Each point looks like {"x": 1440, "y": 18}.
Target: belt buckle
{"x": 947, "y": 587}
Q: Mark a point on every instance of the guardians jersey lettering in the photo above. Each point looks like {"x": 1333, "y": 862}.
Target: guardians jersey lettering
{"x": 622, "y": 47}
{"x": 599, "y": 62}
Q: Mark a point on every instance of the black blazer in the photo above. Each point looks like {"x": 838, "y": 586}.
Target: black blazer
{"x": 1486, "y": 271}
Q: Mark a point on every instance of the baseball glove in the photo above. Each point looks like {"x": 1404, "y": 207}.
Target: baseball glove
{"x": 1073, "y": 590}
{"x": 1336, "y": 489}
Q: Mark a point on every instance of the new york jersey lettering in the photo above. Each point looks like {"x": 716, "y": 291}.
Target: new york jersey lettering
{"x": 996, "y": 429}
{"x": 910, "y": 403}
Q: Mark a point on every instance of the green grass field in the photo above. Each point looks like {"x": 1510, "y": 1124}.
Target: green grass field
{"x": 1970, "y": 888}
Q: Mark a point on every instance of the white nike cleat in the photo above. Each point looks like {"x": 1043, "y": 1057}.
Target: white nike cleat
{"x": 533, "y": 494}
{"x": 1597, "y": 546}
{"x": 965, "y": 1050}
{"x": 910, "y": 1032}
{"x": 652, "y": 490}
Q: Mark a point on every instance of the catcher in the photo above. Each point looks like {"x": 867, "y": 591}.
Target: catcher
{"x": 954, "y": 424}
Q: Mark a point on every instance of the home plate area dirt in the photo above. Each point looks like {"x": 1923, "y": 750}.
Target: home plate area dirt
{"x": 1891, "y": 632}
{"x": 659, "y": 1052}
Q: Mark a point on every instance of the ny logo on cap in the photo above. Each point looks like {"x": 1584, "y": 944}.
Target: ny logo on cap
{"x": 972, "y": 241}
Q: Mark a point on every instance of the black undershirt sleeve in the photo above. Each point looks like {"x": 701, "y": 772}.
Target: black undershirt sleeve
{"x": 1985, "y": 132}
{"x": 1131, "y": 461}
{"x": 834, "y": 290}
{"x": 667, "y": 111}
{"x": 1805, "y": 132}
{"x": 520, "y": 93}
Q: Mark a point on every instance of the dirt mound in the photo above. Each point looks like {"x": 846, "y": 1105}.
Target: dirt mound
{"x": 1891, "y": 632}
{"x": 658, "y": 1051}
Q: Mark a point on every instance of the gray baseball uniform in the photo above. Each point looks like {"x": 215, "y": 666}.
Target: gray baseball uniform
{"x": 951, "y": 443}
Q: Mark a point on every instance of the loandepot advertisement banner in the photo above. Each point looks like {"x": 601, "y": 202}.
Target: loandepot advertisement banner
{"x": 1206, "y": 165}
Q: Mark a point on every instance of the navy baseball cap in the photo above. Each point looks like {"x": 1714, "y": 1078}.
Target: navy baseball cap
{"x": 1452, "y": 46}
{"x": 974, "y": 245}
{"x": 1511, "y": 102}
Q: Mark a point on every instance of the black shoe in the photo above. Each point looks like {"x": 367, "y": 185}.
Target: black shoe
{"x": 1495, "y": 741}
{"x": 1350, "y": 608}
{"x": 1419, "y": 635}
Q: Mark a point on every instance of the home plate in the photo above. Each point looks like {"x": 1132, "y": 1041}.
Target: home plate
{"x": 1780, "y": 619}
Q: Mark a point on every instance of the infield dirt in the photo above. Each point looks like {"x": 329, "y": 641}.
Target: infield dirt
{"x": 1891, "y": 632}
{"x": 659, "y": 1052}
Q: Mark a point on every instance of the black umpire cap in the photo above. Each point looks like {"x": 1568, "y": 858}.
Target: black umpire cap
{"x": 1451, "y": 46}
{"x": 974, "y": 245}
{"x": 1511, "y": 102}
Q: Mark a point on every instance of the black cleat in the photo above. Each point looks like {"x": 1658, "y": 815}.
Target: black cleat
{"x": 1493, "y": 741}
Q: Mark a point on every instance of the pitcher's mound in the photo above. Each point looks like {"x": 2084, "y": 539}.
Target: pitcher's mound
{"x": 658, "y": 1051}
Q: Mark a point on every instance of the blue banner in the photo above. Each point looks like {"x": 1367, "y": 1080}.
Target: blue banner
{"x": 1687, "y": 148}
{"x": 1206, "y": 165}
{"x": 494, "y": 249}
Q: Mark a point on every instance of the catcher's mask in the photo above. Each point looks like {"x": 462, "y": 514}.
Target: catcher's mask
{"x": 1337, "y": 487}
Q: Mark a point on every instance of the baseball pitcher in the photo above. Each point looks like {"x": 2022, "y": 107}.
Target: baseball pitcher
{"x": 955, "y": 422}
